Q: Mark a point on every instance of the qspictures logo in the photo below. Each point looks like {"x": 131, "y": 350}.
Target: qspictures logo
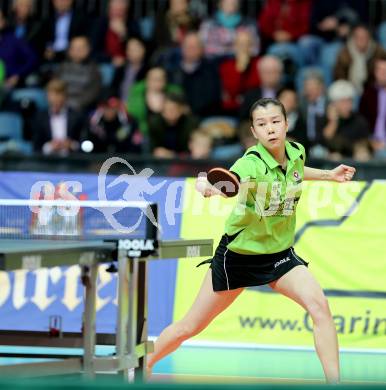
{"x": 270, "y": 199}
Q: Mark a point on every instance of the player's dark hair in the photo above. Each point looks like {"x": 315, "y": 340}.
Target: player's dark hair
{"x": 264, "y": 102}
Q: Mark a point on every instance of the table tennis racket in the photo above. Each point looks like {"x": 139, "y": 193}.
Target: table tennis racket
{"x": 224, "y": 181}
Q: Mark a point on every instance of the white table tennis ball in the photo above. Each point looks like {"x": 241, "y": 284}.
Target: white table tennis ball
{"x": 87, "y": 146}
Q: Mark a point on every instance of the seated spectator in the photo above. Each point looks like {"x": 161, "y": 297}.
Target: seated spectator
{"x": 60, "y": 29}
{"x": 239, "y": 74}
{"x": 198, "y": 77}
{"x": 26, "y": 26}
{"x": 133, "y": 70}
{"x": 170, "y": 130}
{"x": 313, "y": 110}
{"x": 330, "y": 25}
{"x": 18, "y": 57}
{"x": 284, "y": 21}
{"x": 289, "y": 99}
{"x": 200, "y": 145}
{"x": 219, "y": 33}
{"x": 373, "y": 107}
{"x": 147, "y": 97}
{"x": 112, "y": 31}
{"x": 113, "y": 130}
{"x": 270, "y": 70}
{"x": 281, "y": 24}
{"x": 172, "y": 26}
{"x": 333, "y": 20}
{"x": 57, "y": 129}
{"x": 347, "y": 132}
{"x": 81, "y": 75}
{"x": 356, "y": 60}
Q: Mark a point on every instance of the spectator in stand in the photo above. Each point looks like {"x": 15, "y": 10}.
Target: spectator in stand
{"x": 81, "y": 75}
{"x": 330, "y": 25}
{"x": 333, "y": 20}
{"x": 200, "y": 145}
{"x": 147, "y": 97}
{"x": 282, "y": 23}
{"x": 26, "y": 26}
{"x": 239, "y": 74}
{"x": 198, "y": 77}
{"x": 313, "y": 110}
{"x": 347, "y": 132}
{"x": 270, "y": 69}
{"x": 219, "y": 33}
{"x": 112, "y": 130}
{"x": 111, "y": 32}
{"x": 373, "y": 107}
{"x": 18, "y": 57}
{"x": 134, "y": 69}
{"x": 61, "y": 28}
{"x": 170, "y": 130}
{"x": 57, "y": 130}
{"x": 290, "y": 102}
{"x": 356, "y": 60}
{"x": 172, "y": 26}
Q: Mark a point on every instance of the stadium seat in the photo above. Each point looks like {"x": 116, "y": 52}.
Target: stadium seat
{"x": 382, "y": 34}
{"x": 36, "y": 95}
{"x": 107, "y": 74}
{"x": 11, "y": 127}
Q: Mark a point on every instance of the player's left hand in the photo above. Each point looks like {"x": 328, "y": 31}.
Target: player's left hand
{"x": 342, "y": 173}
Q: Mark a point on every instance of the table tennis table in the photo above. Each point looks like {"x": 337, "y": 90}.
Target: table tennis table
{"x": 131, "y": 340}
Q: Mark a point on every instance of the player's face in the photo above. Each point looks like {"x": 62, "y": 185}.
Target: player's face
{"x": 269, "y": 126}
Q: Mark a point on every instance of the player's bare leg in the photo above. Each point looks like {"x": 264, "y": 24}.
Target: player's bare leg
{"x": 300, "y": 285}
{"x": 207, "y": 305}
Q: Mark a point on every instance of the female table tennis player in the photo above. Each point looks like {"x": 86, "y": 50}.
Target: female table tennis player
{"x": 256, "y": 247}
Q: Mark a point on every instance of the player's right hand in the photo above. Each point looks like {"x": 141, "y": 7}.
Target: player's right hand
{"x": 205, "y": 188}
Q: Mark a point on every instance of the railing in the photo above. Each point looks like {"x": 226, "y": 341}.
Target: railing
{"x": 162, "y": 167}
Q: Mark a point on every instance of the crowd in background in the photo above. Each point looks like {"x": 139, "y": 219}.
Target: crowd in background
{"x": 180, "y": 85}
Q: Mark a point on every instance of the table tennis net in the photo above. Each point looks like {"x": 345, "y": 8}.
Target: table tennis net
{"x": 77, "y": 219}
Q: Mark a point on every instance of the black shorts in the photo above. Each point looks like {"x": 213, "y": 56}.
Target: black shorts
{"x": 231, "y": 270}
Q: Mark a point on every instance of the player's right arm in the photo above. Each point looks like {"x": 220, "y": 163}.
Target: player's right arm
{"x": 243, "y": 169}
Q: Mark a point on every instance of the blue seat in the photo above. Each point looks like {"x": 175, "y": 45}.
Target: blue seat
{"x": 16, "y": 147}
{"x": 11, "y": 127}
{"x": 382, "y": 34}
{"x": 36, "y": 95}
{"x": 107, "y": 73}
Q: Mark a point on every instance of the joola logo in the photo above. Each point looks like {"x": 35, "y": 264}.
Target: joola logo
{"x": 141, "y": 245}
{"x": 282, "y": 261}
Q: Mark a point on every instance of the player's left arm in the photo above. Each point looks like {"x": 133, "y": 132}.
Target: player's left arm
{"x": 341, "y": 173}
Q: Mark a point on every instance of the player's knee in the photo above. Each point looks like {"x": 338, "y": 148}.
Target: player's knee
{"x": 185, "y": 331}
{"x": 318, "y": 308}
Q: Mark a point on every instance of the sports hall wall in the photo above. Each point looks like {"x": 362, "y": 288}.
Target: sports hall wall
{"x": 340, "y": 231}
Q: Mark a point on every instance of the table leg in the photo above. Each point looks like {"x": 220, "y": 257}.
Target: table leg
{"x": 133, "y": 304}
{"x": 142, "y": 316}
{"x": 89, "y": 331}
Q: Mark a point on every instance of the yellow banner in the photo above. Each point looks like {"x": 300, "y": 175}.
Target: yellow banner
{"x": 341, "y": 231}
